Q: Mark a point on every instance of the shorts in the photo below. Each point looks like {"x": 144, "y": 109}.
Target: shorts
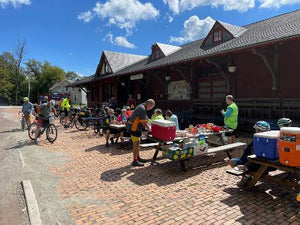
{"x": 27, "y": 116}
{"x": 135, "y": 136}
{"x": 42, "y": 123}
{"x": 66, "y": 112}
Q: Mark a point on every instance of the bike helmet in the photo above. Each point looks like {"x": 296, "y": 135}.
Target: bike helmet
{"x": 262, "y": 126}
{"x": 26, "y": 99}
{"x": 284, "y": 122}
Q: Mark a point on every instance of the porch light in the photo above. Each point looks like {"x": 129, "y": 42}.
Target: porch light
{"x": 123, "y": 84}
{"x": 168, "y": 78}
{"x": 232, "y": 68}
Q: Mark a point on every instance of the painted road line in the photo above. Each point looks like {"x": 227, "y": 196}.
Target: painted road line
{"x": 32, "y": 206}
{"x": 21, "y": 158}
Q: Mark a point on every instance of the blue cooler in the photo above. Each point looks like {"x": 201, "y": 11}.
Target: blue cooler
{"x": 266, "y": 145}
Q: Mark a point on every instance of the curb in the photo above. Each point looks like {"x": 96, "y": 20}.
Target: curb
{"x": 32, "y": 206}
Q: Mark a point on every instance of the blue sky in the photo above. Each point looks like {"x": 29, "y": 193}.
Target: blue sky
{"x": 73, "y": 33}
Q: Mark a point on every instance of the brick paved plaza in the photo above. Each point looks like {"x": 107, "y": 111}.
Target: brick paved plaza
{"x": 98, "y": 186}
{"x": 103, "y": 189}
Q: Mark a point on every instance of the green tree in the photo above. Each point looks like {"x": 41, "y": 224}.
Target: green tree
{"x": 70, "y": 75}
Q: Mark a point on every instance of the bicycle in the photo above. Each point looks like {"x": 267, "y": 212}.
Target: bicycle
{"x": 72, "y": 118}
{"x": 51, "y": 131}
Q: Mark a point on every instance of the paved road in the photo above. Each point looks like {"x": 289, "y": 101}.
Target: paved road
{"x": 21, "y": 160}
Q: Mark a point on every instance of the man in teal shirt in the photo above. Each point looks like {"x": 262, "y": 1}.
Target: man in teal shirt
{"x": 231, "y": 118}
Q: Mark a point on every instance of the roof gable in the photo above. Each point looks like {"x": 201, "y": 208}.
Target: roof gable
{"x": 64, "y": 82}
{"x": 220, "y": 33}
{"x": 160, "y": 50}
{"x": 116, "y": 61}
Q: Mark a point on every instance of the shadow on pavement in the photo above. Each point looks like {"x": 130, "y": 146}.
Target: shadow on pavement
{"x": 265, "y": 204}
{"x": 161, "y": 174}
{"x": 11, "y": 131}
{"x": 22, "y": 144}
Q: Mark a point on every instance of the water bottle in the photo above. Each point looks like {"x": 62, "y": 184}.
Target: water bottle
{"x": 201, "y": 139}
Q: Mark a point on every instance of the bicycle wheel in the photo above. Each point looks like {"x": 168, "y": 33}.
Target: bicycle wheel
{"x": 51, "y": 133}
{"x": 81, "y": 124}
{"x": 31, "y": 130}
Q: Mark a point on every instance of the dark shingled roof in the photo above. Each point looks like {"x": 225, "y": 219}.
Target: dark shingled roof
{"x": 234, "y": 30}
{"x": 277, "y": 28}
{"x": 266, "y": 31}
{"x": 118, "y": 61}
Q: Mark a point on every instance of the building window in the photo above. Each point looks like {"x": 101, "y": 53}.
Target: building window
{"x": 75, "y": 99}
{"x": 66, "y": 88}
{"x": 217, "y": 36}
{"x": 59, "y": 88}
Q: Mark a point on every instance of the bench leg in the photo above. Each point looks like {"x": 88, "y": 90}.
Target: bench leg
{"x": 256, "y": 176}
{"x": 228, "y": 154}
{"x": 156, "y": 153}
{"x": 182, "y": 163}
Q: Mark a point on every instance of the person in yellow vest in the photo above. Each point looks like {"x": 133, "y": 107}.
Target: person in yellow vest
{"x": 231, "y": 118}
{"x": 65, "y": 107}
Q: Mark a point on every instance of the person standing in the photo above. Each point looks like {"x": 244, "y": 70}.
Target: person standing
{"x": 231, "y": 118}
{"x": 131, "y": 101}
{"x": 27, "y": 110}
{"x": 65, "y": 107}
{"x": 136, "y": 124}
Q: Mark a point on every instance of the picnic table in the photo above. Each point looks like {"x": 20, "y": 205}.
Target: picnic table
{"x": 223, "y": 148}
{"x": 262, "y": 175}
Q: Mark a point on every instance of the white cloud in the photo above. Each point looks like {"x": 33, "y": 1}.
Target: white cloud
{"x": 173, "y": 5}
{"x": 119, "y": 41}
{"x": 122, "y": 41}
{"x": 193, "y": 29}
{"x": 85, "y": 16}
{"x": 177, "y": 6}
{"x": 124, "y": 14}
{"x": 14, "y": 3}
{"x": 276, "y": 3}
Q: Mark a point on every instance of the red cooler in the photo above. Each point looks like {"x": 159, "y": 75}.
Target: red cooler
{"x": 289, "y": 146}
{"x": 164, "y": 130}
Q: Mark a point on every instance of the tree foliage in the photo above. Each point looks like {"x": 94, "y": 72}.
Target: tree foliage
{"x": 32, "y": 76}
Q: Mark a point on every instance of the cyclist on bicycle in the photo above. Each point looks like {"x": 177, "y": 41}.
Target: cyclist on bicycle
{"x": 27, "y": 110}
{"x": 65, "y": 107}
{"x": 43, "y": 116}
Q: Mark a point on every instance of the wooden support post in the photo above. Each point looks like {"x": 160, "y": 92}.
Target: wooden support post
{"x": 222, "y": 73}
{"x": 262, "y": 53}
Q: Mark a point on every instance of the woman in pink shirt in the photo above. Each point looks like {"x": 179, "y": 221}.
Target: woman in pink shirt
{"x": 123, "y": 117}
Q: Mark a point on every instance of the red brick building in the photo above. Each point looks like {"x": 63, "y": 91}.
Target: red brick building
{"x": 257, "y": 63}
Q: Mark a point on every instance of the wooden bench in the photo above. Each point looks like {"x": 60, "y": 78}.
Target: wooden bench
{"x": 261, "y": 175}
{"x": 224, "y": 148}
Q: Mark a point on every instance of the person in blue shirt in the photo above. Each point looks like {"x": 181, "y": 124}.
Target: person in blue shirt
{"x": 27, "y": 110}
{"x": 172, "y": 117}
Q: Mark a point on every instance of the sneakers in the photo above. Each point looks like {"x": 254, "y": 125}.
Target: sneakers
{"x": 243, "y": 182}
{"x": 107, "y": 145}
{"x": 137, "y": 163}
{"x": 143, "y": 160}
